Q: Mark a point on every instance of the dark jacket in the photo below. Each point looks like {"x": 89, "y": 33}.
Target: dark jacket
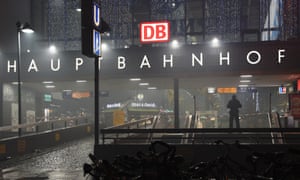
{"x": 234, "y": 106}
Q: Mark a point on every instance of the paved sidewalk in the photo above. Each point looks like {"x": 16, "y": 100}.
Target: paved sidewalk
{"x": 63, "y": 162}
{"x": 17, "y": 174}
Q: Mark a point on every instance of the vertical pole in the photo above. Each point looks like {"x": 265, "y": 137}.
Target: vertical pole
{"x": 1, "y": 105}
{"x": 176, "y": 103}
{"x": 259, "y": 22}
{"x": 185, "y": 22}
{"x": 203, "y": 20}
{"x": 195, "y": 108}
{"x": 19, "y": 82}
{"x": 132, "y": 24}
{"x": 96, "y": 101}
{"x": 269, "y": 22}
{"x": 298, "y": 17}
{"x": 270, "y": 103}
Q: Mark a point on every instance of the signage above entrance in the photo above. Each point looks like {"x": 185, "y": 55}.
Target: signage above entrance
{"x": 256, "y": 58}
{"x": 151, "y": 32}
{"x": 91, "y": 28}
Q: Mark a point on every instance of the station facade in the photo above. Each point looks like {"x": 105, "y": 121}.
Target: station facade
{"x": 144, "y": 79}
{"x": 140, "y": 81}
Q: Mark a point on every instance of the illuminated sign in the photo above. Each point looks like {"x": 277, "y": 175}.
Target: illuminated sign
{"x": 188, "y": 60}
{"x": 247, "y": 89}
{"x": 114, "y": 105}
{"x": 211, "y": 90}
{"x": 96, "y": 43}
{"x": 230, "y": 90}
{"x": 199, "y": 60}
{"x": 96, "y": 15}
{"x": 91, "y": 28}
{"x": 79, "y": 95}
{"x": 154, "y": 32}
{"x": 282, "y": 90}
{"x": 298, "y": 85}
{"x": 146, "y": 105}
{"x": 47, "y": 98}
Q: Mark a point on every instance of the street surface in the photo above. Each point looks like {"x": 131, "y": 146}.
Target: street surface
{"x": 63, "y": 162}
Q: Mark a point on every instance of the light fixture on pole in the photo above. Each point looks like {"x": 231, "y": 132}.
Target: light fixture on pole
{"x": 21, "y": 28}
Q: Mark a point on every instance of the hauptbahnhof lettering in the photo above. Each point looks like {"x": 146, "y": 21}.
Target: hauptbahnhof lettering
{"x": 191, "y": 60}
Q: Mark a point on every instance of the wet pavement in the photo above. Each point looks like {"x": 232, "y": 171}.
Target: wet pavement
{"x": 63, "y": 162}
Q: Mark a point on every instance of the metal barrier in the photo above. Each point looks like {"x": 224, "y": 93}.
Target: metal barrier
{"x": 204, "y": 136}
{"x": 271, "y": 133}
{"x": 146, "y": 123}
{"x": 42, "y": 126}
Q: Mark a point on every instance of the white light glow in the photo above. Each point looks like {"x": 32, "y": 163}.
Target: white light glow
{"x": 246, "y": 76}
{"x": 50, "y": 86}
{"x": 47, "y": 82}
{"x": 81, "y": 81}
{"x": 16, "y": 83}
{"x": 27, "y": 31}
{"x": 215, "y": 42}
{"x": 135, "y": 79}
{"x": 144, "y": 84}
{"x": 152, "y": 88}
{"x": 245, "y": 81}
{"x": 243, "y": 85}
{"x": 175, "y": 44}
{"x": 211, "y": 90}
{"x": 52, "y": 49}
{"x": 104, "y": 47}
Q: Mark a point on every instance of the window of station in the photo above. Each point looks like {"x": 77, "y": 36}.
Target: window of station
{"x": 129, "y": 100}
{"x": 208, "y": 97}
{"x": 48, "y": 105}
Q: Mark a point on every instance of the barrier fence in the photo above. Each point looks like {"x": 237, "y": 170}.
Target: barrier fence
{"x": 271, "y": 133}
{"x": 42, "y": 126}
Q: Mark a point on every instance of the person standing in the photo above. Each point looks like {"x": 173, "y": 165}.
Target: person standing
{"x": 234, "y": 105}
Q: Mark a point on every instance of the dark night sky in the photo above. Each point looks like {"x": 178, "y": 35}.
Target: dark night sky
{"x": 12, "y": 11}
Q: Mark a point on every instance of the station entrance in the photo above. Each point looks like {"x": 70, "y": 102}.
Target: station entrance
{"x": 189, "y": 89}
{"x": 202, "y": 78}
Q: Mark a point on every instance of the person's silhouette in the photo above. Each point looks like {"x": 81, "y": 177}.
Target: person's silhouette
{"x": 234, "y": 106}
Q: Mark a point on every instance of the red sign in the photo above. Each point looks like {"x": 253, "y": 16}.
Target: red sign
{"x": 155, "y": 32}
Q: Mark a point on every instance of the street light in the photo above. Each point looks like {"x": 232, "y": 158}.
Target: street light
{"x": 24, "y": 28}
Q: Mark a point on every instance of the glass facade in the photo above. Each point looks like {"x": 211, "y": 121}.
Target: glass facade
{"x": 58, "y": 90}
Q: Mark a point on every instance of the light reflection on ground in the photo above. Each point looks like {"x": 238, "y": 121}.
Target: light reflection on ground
{"x": 60, "y": 163}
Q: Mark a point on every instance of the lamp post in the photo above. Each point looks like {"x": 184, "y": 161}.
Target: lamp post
{"x": 21, "y": 28}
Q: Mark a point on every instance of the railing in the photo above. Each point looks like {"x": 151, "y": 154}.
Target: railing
{"x": 137, "y": 124}
{"x": 146, "y": 123}
{"x": 202, "y": 135}
{"x": 270, "y": 132}
{"x": 42, "y": 126}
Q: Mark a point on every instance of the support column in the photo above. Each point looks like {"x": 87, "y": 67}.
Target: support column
{"x": 96, "y": 99}
{"x": 176, "y": 102}
{"x": 1, "y": 104}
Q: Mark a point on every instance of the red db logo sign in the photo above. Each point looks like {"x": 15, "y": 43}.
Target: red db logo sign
{"x": 155, "y": 32}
